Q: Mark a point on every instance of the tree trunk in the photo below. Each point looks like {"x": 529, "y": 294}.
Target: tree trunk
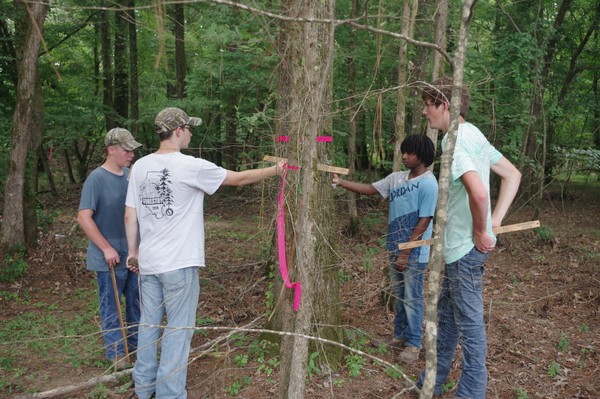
{"x": 409, "y": 14}
{"x": 179, "y": 31}
{"x": 121, "y": 88}
{"x": 107, "y": 80}
{"x": 352, "y": 122}
{"x": 28, "y": 117}
{"x": 438, "y": 60}
{"x": 134, "y": 90}
{"x": 308, "y": 193}
{"x": 436, "y": 263}
{"x": 537, "y": 129}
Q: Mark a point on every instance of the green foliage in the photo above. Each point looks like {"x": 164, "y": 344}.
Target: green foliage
{"x": 553, "y": 369}
{"x": 237, "y": 386}
{"x": 100, "y": 391}
{"x": 449, "y": 385}
{"x": 545, "y": 233}
{"x": 15, "y": 264}
{"x": 563, "y": 344}
{"x": 522, "y": 393}
{"x": 312, "y": 365}
{"x": 354, "y": 364}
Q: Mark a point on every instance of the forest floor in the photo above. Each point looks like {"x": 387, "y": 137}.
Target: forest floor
{"x": 541, "y": 293}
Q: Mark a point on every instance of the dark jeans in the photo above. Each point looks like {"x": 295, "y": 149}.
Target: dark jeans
{"x": 127, "y": 286}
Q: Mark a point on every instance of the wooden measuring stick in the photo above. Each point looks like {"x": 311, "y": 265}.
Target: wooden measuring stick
{"x": 497, "y": 230}
{"x": 321, "y": 167}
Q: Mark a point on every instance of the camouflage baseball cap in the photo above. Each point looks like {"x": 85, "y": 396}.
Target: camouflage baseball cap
{"x": 172, "y": 118}
{"x": 122, "y": 137}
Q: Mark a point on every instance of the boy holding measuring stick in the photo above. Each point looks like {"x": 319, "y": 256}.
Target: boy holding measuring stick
{"x": 413, "y": 197}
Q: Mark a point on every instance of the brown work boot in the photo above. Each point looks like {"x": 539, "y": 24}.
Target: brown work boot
{"x": 409, "y": 354}
{"x": 389, "y": 342}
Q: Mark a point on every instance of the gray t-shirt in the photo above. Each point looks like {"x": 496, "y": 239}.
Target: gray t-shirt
{"x": 104, "y": 193}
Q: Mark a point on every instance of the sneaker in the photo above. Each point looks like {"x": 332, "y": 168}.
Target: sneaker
{"x": 122, "y": 364}
{"x": 409, "y": 354}
{"x": 390, "y": 342}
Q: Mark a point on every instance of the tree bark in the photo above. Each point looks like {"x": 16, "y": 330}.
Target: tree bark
{"x": 308, "y": 193}
{"x": 409, "y": 14}
{"x": 436, "y": 263}
{"x": 121, "y": 88}
{"x": 438, "y": 60}
{"x": 107, "y": 80}
{"x": 28, "y": 117}
{"x": 179, "y": 31}
{"x": 352, "y": 122}
{"x": 134, "y": 90}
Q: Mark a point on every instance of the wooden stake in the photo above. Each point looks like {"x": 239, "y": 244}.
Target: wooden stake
{"x": 497, "y": 230}
{"x": 321, "y": 167}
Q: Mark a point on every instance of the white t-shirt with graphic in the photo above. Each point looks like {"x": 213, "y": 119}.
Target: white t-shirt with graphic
{"x": 167, "y": 192}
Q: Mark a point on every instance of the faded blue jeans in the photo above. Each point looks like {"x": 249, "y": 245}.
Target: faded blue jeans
{"x": 407, "y": 287}
{"x": 175, "y": 294}
{"x": 460, "y": 316}
{"x": 127, "y": 286}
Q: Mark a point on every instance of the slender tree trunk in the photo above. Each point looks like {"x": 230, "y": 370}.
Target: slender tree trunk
{"x": 179, "y": 31}
{"x": 438, "y": 60}
{"x": 436, "y": 263}
{"x": 121, "y": 88}
{"x": 69, "y": 166}
{"x": 28, "y": 118}
{"x": 107, "y": 80}
{"x": 409, "y": 14}
{"x": 134, "y": 91}
{"x": 352, "y": 122}
{"x": 41, "y": 155}
{"x": 537, "y": 130}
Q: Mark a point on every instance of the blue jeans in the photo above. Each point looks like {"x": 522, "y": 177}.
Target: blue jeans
{"x": 176, "y": 294}
{"x": 407, "y": 287}
{"x": 127, "y": 286}
{"x": 460, "y": 316}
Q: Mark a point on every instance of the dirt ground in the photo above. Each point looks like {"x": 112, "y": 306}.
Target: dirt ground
{"x": 542, "y": 299}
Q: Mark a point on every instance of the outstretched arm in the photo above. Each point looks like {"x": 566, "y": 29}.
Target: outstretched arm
{"x": 251, "y": 176}
{"x": 510, "y": 178}
{"x": 360, "y": 188}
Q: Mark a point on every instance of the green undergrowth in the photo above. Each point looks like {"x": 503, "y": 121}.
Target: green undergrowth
{"x": 46, "y": 334}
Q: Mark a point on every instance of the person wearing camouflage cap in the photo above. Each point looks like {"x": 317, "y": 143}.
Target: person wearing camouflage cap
{"x": 164, "y": 203}
{"x": 101, "y": 214}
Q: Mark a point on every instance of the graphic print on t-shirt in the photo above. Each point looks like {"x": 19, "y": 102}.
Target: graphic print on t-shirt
{"x": 156, "y": 193}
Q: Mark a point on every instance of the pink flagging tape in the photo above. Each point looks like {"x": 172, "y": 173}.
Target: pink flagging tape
{"x": 297, "y": 286}
{"x": 320, "y": 139}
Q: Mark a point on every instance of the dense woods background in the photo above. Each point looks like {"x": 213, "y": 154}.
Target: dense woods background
{"x": 71, "y": 70}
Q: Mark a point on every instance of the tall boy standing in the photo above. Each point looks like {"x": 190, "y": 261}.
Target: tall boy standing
{"x": 101, "y": 212}
{"x": 165, "y": 200}
{"x": 468, "y": 240}
{"x": 413, "y": 196}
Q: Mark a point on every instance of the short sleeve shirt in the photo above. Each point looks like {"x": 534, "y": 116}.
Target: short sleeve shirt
{"x": 410, "y": 199}
{"x": 104, "y": 193}
{"x": 167, "y": 192}
{"x": 472, "y": 152}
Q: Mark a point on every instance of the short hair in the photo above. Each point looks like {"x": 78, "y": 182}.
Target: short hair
{"x": 162, "y": 136}
{"x": 420, "y": 145}
{"x": 440, "y": 91}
